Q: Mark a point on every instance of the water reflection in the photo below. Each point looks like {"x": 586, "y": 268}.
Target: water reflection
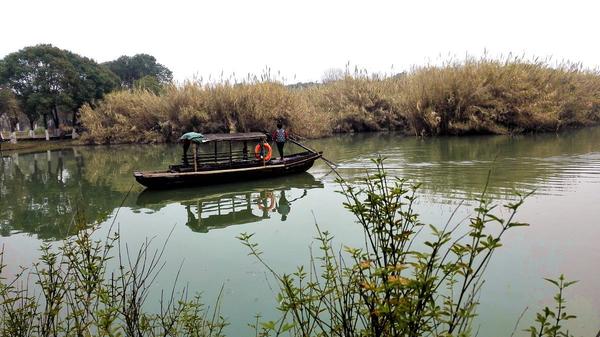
{"x": 457, "y": 167}
{"x": 221, "y": 206}
{"x": 41, "y": 192}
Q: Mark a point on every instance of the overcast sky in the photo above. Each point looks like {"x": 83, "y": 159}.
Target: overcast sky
{"x": 302, "y": 39}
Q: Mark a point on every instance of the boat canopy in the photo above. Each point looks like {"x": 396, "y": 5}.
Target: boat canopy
{"x": 193, "y": 137}
{"x": 219, "y": 137}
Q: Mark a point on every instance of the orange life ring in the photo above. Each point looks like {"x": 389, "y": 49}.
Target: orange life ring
{"x": 271, "y": 202}
{"x": 267, "y": 147}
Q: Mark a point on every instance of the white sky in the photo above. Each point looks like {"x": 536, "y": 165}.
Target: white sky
{"x": 303, "y": 38}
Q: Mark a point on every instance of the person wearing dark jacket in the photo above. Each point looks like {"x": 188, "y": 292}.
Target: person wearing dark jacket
{"x": 280, "y": 136}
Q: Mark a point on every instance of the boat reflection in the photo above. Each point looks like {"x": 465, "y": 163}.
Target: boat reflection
{"x": 221, "y": 206}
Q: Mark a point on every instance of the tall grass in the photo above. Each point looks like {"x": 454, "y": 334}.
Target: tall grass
{"x": 142, "y": 116}
{"x": 492, "y": 96}
{"x": 459, "y": 97}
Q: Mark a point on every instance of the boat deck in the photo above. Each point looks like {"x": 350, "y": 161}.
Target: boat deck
{"x": 223, "y": 172}
{"x": 235, "y": 164}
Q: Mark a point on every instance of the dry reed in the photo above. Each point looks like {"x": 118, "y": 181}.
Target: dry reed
{"x": 470, "y": 96}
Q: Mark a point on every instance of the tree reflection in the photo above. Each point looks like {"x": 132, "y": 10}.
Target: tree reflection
{"x": 457, "y": 167}
{"x": 41, "y": 193}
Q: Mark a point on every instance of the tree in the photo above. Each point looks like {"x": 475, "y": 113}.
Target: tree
{"x": 133, "y": 68}
{"x": 47, "y": 80}
{"x": 9, "y": 106}
{"x": 35, "y": 74}
{"x": 149, "y": 83}
{"x": 95, "y": 80}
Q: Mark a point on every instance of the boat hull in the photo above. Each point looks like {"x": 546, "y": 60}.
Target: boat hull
{"x": 167, "y": 179}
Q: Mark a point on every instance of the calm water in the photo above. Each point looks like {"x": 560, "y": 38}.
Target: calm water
{"x": 40, "y": 191}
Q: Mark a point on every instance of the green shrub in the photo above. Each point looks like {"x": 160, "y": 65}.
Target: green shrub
{"x": 70, "y": 292}
{"x": 404, "y": 282}
{"x": 550, "y": 321}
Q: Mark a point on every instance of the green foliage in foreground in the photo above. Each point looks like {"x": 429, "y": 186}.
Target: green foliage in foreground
{"x": 70, "y": 292}
{"x": 550, "y": 321}
{"x": 404, "y": 282}
{"x": 409, "y": 279}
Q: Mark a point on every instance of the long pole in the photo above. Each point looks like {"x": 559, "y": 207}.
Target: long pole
{"x": 311, "y": 150}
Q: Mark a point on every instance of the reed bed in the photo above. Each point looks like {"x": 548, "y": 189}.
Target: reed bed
{"x": 142, "y": 116}
{"x": 492, "y": 96}
{"x": 471, "y": 96}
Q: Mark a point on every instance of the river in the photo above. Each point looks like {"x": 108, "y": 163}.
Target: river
{"x": 40, "y": 191}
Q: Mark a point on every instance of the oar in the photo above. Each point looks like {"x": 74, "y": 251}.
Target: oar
{"x": 311, "y": 150}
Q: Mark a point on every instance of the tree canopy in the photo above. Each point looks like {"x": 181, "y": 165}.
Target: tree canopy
{"x": 9, "y": 106}
{"x": 149, "y": 83}
{"x": 134, "y": 68}
{"x": 46, "y": 80}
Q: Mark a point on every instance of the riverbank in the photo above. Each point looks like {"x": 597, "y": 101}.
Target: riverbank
{"x": 34, "y": 146}
{"x": 469, "y": 97}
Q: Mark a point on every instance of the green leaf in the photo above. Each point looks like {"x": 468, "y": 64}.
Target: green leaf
{"x": 570, "y": 283}
{"x": 552, "y": 281}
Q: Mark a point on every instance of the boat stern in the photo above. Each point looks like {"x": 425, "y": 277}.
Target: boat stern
{"x": 139, "y": 177}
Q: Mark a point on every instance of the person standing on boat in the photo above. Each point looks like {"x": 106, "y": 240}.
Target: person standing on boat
{"x": 280, "y": 136}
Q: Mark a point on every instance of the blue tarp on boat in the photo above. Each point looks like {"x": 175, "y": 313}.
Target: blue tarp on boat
{"x": 193, "y": 137}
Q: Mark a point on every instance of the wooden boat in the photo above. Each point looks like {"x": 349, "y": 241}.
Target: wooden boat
{"x": 217, "y": 158}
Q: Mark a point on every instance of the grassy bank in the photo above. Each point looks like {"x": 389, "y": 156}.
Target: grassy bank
{"x": 471, "y": 96}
